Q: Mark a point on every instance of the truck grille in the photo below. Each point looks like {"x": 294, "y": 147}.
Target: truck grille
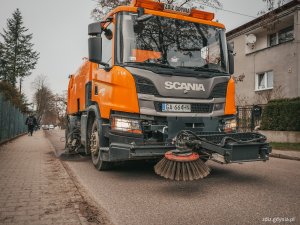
{"x": 145, "y": 86}
{"x": 195, "y": 107}
{"x": 219, "y": 90}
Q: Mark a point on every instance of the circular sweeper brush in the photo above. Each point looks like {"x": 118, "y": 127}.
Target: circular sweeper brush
{"x": 181, "y": 166}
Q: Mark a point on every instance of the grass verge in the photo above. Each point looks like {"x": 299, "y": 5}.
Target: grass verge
{"x": 286, "y": 146}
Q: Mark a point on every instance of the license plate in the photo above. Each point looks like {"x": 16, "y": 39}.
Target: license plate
{"x": 167, "y": 107}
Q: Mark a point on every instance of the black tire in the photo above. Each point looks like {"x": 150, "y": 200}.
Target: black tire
{"x": 96, "y": 130}
{"x": 67, "y": 131}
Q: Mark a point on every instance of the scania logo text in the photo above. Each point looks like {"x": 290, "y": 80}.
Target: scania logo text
{"x": 184, "y": 86}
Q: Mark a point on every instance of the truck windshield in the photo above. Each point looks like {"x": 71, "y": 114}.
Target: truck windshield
{"x": 170, "y": 43}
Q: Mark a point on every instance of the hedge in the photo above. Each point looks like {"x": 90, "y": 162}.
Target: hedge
{"x": 282, "y": 115}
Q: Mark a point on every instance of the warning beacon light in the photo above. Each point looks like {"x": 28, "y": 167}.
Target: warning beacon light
{"x": 158, "y": 6}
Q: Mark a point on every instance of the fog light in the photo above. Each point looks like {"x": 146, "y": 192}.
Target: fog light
{"x": 218, "y": 106}
{"x": 126, "y": 125}
{"x": 230, "y": 125}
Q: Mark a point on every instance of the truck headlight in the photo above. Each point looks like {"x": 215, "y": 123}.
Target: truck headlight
{"x": 126, "y": 125}
{"x": 230, "y": 125}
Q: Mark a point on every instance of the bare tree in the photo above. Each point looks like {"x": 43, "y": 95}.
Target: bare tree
{"x": 239, "y": 78}
{"x": 39, "y": 82}
{"x": 241, "y": 100}
{"x": 50, "y": 108}
{"x": 270, "y": 18}
{"x": 105, "y": 6}
{"x": 43, "y": 98}
{"x": 271, "y": 5}
{"x": 60, "y": 108}
{"x": 263, "y": 97}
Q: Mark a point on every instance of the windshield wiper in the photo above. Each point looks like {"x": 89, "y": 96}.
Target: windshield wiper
{"x": 206, "y": 72}
{"x": 207, "y": 69}
{"x": 150, "y": 64}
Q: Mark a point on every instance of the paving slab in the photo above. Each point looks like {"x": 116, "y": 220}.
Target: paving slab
{"x": 36, "y": 188}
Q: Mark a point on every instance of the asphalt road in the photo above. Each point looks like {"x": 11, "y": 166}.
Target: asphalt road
{"x": 249, "y": 193}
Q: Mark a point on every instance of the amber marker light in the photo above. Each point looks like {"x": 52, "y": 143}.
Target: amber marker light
{"x": 147, "y": 4}
{"x": 158, "y": 6}
{"x": 202, "y": 15}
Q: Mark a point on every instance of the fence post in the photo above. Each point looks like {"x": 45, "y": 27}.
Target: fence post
{"x": 1, "y": 117}
{"x": 252, "y": 119}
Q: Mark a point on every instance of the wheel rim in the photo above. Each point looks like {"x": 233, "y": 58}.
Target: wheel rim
{"x": 94, "y": 143}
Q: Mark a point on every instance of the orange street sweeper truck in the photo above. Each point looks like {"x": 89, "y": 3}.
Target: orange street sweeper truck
{"x": 157, "y": 83}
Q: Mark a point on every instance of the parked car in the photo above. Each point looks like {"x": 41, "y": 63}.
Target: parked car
{"x": 45, "y": 127}
{"x": 51, "y": 126}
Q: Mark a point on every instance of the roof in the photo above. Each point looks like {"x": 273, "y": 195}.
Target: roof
{"x": 263, "y": 17}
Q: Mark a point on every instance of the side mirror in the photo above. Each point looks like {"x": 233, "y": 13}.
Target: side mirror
{"x": 95, "y": 42}
{"x": 230, "y": 59}
{"x": 95, "y": 49}
{"x": 95, "y": 28}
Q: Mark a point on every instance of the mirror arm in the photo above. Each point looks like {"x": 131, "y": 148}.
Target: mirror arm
{"x": 108, "y": 20}
{"x": 107, "y": 67}
{"x": 104, "y": 64}
{"x": 141, "y": 11}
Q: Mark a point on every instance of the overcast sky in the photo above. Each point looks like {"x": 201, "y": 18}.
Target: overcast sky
{"x": 60, "y": 32}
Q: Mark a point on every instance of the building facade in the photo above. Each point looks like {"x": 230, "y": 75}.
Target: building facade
{"x": 267, "y": 56}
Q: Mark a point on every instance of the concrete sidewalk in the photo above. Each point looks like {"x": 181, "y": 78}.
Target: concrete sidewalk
{"x": 286, "y": 154}
{"x": 35, "y": 188}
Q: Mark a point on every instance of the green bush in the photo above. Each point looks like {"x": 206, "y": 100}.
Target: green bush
{"x": 12, "y": 95}
{"x": 282, "y": 115}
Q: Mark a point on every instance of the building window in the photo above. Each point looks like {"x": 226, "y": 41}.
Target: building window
{"x": 273, "y": 39}
{"x": 284, "y": 35}
{"x": 264, "y": 81}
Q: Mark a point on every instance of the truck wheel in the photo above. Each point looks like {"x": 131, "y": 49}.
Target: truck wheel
{"x": 67, "y": 130}
{"x": 98, "y": 140}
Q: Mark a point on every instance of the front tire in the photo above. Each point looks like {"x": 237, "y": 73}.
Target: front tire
{"x": 98, "y": 140}
{"x": 67, "y": 131}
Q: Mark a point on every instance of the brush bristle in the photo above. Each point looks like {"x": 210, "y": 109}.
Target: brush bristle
{"x": 181, "y": 171}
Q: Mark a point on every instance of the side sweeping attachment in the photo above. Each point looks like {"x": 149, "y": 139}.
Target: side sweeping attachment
{"x": 181, "y": 164}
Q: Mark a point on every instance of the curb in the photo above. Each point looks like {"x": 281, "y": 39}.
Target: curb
{"x": 281, "y": 156}
{"x": 98, "y": 214}
{"x": 81, "y": 218}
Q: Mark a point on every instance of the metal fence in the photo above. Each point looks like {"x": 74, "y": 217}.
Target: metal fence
{"x": 12, "y": 121}
{"x": 249, "y": 117}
